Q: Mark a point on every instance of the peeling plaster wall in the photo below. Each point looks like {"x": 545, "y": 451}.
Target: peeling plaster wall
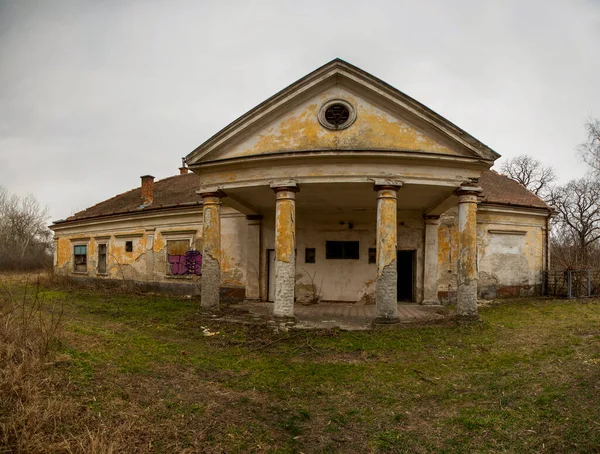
{"x": 509, "y": 264}
{"x": 342, "y": 280}
{"x": 374, "y": 128}
{"x": 149, "y": 235}
{"x": 510, "y": 253}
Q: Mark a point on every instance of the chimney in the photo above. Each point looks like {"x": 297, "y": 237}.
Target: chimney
{"x": 147, "y": 189}
{"x": 184, "y": 168}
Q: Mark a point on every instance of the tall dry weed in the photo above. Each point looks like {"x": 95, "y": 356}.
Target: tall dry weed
{"x": 28, "y": 329}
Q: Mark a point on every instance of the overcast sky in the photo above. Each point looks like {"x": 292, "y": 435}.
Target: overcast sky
{"x": 94, "y": 94}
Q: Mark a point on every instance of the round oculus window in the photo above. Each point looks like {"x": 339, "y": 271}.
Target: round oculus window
{"x": 337, "y": 114}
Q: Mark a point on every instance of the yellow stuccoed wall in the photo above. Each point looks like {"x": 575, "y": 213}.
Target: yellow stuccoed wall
{"x": 139, "y": 264}
{"x": 374, "y": 129}
{"x": 510, "y": 253}
{"x": 508, "y": 264}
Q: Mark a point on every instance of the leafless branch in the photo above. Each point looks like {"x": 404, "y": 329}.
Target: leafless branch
{"x": 531, "y": 173}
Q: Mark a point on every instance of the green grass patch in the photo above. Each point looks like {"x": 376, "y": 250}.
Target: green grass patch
{"x": 525, "y": 379}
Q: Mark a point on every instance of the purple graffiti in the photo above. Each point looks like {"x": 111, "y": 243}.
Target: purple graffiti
{"x": 189, "y": 263}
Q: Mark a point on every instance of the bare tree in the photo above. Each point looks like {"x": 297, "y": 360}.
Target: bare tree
{"x": 590, "y": 149}
{"x": 577, "y": 227}
{"x": 531, "y": 173}
{"x": 25, "y": 240}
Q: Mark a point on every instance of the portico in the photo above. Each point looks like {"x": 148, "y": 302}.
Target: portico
{"x": 343, "y": 181}
{"x": 382, "y": 217}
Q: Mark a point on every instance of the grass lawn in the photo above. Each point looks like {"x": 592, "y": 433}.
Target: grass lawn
{"x": 136, "y": 374}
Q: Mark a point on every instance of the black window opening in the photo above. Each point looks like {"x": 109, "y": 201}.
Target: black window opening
{"x": 128, "y": 246}
{"x": 344, "y": 250}
{"x": 310, "y": 255}
{"x": 372, "y": 255}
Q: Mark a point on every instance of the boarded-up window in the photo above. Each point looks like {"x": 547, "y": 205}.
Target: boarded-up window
{"x": 182, "y": 260}
{"x": 102, "y": 259}
{"x": 80, "y": 258}
{"x": 178, "y": 247}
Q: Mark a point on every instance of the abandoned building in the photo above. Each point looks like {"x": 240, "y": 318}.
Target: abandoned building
{"x": 337, "y": 188}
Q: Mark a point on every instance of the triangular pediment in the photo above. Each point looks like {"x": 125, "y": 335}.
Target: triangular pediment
{"x": 385, "y": 120}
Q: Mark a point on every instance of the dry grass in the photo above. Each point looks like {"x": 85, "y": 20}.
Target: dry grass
{"x": 135, "y": 374}
{"x": 35, "y": 410}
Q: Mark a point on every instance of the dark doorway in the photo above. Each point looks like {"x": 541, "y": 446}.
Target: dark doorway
{"x": 405, "y": 263}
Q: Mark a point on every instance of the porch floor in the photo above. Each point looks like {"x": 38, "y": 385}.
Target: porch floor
{"x": 346, "y": 316}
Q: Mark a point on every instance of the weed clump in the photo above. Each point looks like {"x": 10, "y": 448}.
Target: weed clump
{"x": 29, "y": 331}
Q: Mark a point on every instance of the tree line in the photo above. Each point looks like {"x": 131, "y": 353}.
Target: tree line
{"x": 25, "y": 239}
{"x": 575, "y": 236}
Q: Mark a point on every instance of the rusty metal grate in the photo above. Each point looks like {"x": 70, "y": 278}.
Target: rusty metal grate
{"x": 337, "y": 114}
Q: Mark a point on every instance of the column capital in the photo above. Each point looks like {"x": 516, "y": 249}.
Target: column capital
{"x": 278, "y": 189}
{"x": 284, "y": 185}
{"x": 389, "y": 184}
{"x": 468, "y": 190}
{"x": 212, "y": 192}
{"x": 431, "y": 220}
{"x": 386, "y": 187}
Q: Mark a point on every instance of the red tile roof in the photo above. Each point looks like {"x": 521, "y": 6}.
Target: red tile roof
{"x": 169, "y": 192}
{"x": 502, "y": 190}
{"x": 180, "y": 190}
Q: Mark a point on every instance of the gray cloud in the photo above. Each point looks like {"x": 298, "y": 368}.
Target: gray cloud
{"x": 94, "y": 94}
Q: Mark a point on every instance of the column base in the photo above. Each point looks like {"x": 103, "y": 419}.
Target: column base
{"x": 285, "y": 320}
{"x": 431, "y": 302}
{"x": 386, "y": 321}
{"x": 468, "y": 318}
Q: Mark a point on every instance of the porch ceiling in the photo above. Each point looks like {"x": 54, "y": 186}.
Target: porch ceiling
{"x": 337, "y": 197}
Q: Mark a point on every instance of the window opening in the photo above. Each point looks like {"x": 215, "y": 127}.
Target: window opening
{"x": 80, "y": 258}
{"x": 337, "y": 114}
{"x": 182, "y": 260}
{"x": 310, "y": 255}
{"x": 102, "y": 259}
{"x": 345, "y": 250}
{"x": 372, "y": 255}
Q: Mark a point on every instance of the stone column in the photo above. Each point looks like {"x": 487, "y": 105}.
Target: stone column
{"x": 211, "y": 251}
{"x": 285, "y": 254}
{"x": 386, "y": 298}
{"x": 466, "y": 297}
{"x": 430, "y": 275}
{"x": 253, "y": 257}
